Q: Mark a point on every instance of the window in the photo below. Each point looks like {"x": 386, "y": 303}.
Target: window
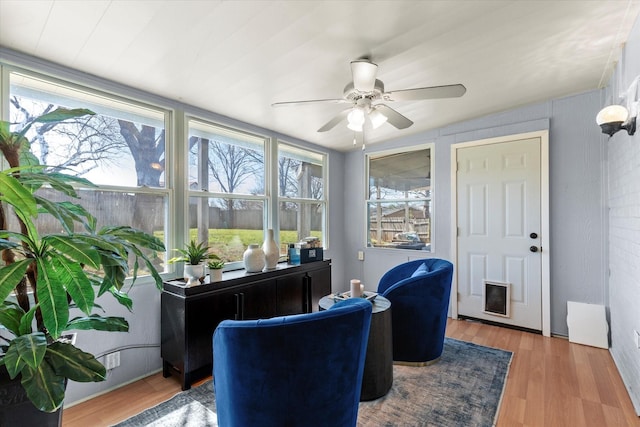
{"x": 301, "y": 187}
{"x": 399, "y": 199}
{"x": 227, "y": 201}
{"x": 121, "y": 149}
{"x": 220, "y": 184}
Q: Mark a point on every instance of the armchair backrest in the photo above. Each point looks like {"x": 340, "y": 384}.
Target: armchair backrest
{"x": 301, "y": 370}
{"x": 410, "y": 269}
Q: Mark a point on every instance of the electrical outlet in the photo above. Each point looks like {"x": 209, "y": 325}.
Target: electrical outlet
{"x": 636, "y": 335}
{"x": 360, "y": 255}
{"x": 112, "y": 360}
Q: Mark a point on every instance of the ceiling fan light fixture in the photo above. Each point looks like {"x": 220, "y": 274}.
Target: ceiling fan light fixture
{"x": 377, "y": 118}
{"x": 356, "y": 119}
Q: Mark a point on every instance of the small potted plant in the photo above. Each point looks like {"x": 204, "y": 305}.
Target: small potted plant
{"x": 215, "y": 268}
{"x": 194, "y": 256}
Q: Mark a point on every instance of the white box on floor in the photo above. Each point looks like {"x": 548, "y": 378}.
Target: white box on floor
{"x": 587, "y": 324}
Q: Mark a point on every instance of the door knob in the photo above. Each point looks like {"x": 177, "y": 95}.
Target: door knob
{"x": 533, "y": 249}
{"x": 533, "y": 235}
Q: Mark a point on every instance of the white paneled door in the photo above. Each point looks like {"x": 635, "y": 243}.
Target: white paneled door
{"x": 499, "y": 235}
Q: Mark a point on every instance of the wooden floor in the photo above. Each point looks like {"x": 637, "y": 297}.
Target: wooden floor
{"x": 551, "y": 382}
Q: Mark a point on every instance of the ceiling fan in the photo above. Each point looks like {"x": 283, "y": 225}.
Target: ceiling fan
{"x": 367, "y": 96}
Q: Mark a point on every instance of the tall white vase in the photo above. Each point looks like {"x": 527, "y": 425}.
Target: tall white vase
{"x": 271, "y": 251}
{"x": 253, "y": 258}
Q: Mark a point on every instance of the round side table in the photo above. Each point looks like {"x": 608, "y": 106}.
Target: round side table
{"x": 378, "y": 365}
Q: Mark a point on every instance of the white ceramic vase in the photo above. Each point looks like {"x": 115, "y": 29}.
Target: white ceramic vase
{"x": 193, "y": 273}
{"x": 253, "y": 258}
{"x": 271, "y": 251}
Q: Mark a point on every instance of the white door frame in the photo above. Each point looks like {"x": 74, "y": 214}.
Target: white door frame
{"x": 544, "y": 218}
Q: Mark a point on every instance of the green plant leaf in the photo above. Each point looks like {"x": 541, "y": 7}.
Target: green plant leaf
{"x": 123, "y": 298}
{"x": 103, "y": 246}
{"x": 69, "y": 361}
{"x": 5, "y": 130}
{"x": 135, "y": 237}
{"x": 113, "y": 276}
{"x": 75, "y": 281}
{"x": 58, "y": 115}
{"x": 60, "y": 214}
{"x": 14, "y": 193}
{"x": 61, "y": 114}
{"x": 99, "y": 323}
{"x": 30, "y": 348}
{"x": 10, "y": 316}
{"x": 44, "y": 387}
{"x": 26, "y": 322}
{"x": 11, "y": 275}
{"x": 12, "y": 360}
{"x": 52, "y": 297}
{"x": 74, "y": 248}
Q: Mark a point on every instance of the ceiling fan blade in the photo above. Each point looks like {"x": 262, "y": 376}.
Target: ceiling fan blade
{"x": 433, "y": 92}
{"x": 311, "y": 101}
{"x": 364, "y": 75}
{"x": 334, "y": 121}
{"x": 393, "y": 117}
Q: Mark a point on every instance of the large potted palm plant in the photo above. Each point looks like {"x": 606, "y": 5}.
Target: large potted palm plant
{"x": 44, "y": 278}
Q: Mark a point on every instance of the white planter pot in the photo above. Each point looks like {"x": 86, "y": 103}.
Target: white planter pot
{"x": 215, "y": 274}
{"x": 193, "y": 273}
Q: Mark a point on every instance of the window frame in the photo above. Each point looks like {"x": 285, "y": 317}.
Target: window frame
{"x": 325, "y": 189}
{"x": 431, "y": 200}
{"x": 166, "y": 192}
{"x": 205, "y": 194}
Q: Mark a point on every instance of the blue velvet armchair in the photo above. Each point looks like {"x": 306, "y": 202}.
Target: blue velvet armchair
{"x": 419, "y": 293}
{"x": 300, "y": 370}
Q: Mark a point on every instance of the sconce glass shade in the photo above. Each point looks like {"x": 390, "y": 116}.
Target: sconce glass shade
{"x": 611, "y": 119}
{"x": 377, "y": 118}
{"x": 356, "y": 119}
{"x": 612, "y": 113}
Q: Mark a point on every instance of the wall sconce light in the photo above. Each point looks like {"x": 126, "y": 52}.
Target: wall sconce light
{"x": 614, "y": 118}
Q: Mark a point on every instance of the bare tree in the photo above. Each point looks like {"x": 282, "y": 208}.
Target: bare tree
{"x": 81, "y": 144}
{"x": 147, "y": 145}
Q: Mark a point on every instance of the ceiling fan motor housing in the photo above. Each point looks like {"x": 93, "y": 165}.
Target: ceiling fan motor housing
{"x": 352, "y": 94}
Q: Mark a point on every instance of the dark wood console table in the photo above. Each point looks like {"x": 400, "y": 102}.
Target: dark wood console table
{"x": 190, "y": 315}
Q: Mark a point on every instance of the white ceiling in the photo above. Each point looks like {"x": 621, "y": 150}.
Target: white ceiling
{"x": 236, "y": 58}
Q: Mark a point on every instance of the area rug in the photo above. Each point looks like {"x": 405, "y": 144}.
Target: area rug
{"x": 464, "y": 388}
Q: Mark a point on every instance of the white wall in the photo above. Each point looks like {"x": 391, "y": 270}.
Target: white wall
{"x": 577, "y": 196}
{"x": 624, "y": 229}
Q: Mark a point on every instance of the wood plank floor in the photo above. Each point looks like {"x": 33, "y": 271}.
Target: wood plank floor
{"x": 551, "y": 382}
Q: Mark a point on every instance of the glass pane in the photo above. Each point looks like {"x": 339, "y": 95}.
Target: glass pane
{"x": 122, "y": 145}
{"x": 300, "y": 173}
{"x": 403, "y": 225}
{"x": 228, "y": 225}
{"x": 400, "y": 176}
{"x": 299, "y": 220}
{"x": 225, "y": 161}
{"x": 146, "y": 212}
